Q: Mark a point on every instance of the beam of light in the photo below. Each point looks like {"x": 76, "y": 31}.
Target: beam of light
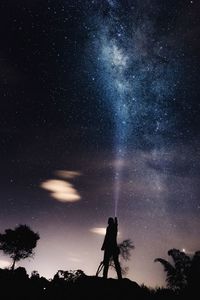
{"x": 138, "y": 74}
{"x": 118, "y": 167}
{"x": 116, "y": 63}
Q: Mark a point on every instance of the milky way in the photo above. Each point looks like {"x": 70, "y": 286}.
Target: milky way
{"x": 100, "y": 108}
{"x": 138, "y": 72}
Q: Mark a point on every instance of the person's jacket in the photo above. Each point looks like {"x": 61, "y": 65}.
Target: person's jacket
{"x": 110, "y": 240}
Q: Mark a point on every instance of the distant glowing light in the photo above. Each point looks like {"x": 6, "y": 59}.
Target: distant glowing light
{"x": 99, "y": 230}
{"x": 67, "y": 174}
{"x": 61, "y": 190}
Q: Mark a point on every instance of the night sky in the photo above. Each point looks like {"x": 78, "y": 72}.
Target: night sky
{"x": 100, "y": 115}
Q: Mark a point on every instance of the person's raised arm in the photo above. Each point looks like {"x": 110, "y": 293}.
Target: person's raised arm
{"x": 116, "y": 224}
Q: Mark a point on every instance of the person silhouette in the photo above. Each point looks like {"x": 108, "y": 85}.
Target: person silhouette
{"x": 110, "y": 247}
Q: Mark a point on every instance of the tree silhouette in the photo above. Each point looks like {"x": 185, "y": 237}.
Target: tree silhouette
{"x": 69, "y": 276}
{"x": 18, "y": 243}
{"x": 125, "y": 248}
{"x": 194, "y": 272}
{"x": 185, "y": 270}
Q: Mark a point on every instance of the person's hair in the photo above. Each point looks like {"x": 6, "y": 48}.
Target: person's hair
{"x": 110, "y": 221}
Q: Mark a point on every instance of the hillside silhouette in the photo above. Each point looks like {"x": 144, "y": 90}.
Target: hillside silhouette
{"x": 17, "y": 284}
{"x": 182, "y": 274}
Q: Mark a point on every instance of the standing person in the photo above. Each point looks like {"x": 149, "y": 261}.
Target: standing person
{"x": 110, "y": 247}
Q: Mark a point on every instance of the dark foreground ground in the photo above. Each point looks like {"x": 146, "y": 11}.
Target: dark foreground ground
{"x": 18, "y": 285}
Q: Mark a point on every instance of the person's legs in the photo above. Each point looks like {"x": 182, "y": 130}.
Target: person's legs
{"x": 117, "y": 265}
{"x": 106, "y": 261}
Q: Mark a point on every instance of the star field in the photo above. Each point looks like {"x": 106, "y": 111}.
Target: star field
{"x": 100, "y": 116}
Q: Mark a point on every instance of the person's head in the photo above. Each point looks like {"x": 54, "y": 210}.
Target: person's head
{"x": 110, "y": 221}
